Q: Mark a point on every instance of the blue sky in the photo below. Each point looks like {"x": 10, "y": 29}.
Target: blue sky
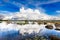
{"x": 51, "y": 7}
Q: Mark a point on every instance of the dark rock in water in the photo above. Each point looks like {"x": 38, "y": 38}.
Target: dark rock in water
{"x": 57, "y": 29}
{"x": 49, "y": 27}
{"x": 54, "y": 38}
{"x": 57, "y": 26}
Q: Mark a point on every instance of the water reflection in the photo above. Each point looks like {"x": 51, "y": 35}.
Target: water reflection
{"x": 13, "y": 31}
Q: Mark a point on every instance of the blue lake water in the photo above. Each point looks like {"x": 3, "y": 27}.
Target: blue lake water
{"x": 8, "y": 35}
{"x": 48, "y": 32}
{"x": 13, "y": 34}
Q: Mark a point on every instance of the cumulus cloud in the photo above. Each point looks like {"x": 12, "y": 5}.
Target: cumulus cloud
{"x": 30, "y": 14}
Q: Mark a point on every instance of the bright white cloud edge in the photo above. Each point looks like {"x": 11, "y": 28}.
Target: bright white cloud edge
{"x": 30, "y": 14}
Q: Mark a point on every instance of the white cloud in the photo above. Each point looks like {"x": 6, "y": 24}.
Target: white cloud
{"x": 58, "y": 11}
{"x": 52, "y": 1}
{"x": 43, "y": 2}
{"x": 36, "y": 14}
{"x": 30, "y": 14}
